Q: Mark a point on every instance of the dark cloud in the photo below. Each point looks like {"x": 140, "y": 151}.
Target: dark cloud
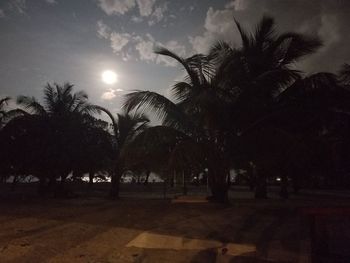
{"x": 327, "y": 19}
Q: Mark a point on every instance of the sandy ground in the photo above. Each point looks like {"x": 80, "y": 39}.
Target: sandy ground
{"x": 136, "y": 230}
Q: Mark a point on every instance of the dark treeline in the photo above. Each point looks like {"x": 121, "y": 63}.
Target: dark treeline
{"x": 244, "y": 108}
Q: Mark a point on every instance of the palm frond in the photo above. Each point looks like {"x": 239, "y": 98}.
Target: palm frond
{"x": 31, "y": 104}
{"x": 320, "y": 88}
{"x": 220, "y": 51}
{"x": 89, "y": 108}
{"x": 140, "y": 117}
{"x": 181, "y": 90}
{"x": 66, "y": 90}
{"x": 111, "y": 116}
{"x": 129, "y": 125}
{"x": 298, "y": 46}
{"x": 165, "y": 52}
{"x": 202, "y": 66}
{"x": 13, "y": 114}
{"x": 245, "y": 37}
{"x": 265, "y": 30}
{"x": 4, "y": 101}
{"x": 50, "y": 97}
{"x": 344, "y": 74}
{"x": 151, "y": 101}
{"x": 275, "y": 81}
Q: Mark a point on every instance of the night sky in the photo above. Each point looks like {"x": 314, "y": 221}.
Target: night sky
{"x": 76, "y": 40}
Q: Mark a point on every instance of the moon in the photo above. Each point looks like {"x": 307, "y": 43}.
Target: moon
{"x": 109, "y": 77}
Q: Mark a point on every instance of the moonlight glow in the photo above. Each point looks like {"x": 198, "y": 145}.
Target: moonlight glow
{"x": 109, "y": 77}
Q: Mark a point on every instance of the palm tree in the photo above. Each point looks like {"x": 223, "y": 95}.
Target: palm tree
{"x": 125, "y": 129}
{"x": 59, "y": 101}
{"x": 258, "y": 71}
{"x": 316, "y": 111}
{"x": 254, "y": 75}
{"x": 197, "y": 113}
{"x": 62, "y": 117}
{"x": 6, "y": 115}
{"x": 3, "y": 112}
{"x": 3, "y": 102}
{"x": 215, "y": 102}
{"x": 96, "y": 140}
{"x": 344, "y": 74}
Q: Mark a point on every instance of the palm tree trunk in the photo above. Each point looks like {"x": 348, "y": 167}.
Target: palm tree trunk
{"x": 14, "y": 183}
{"x": 218, "y": 185}
{"x": 184, "y": 183}
{"x": 147, "y": 177}
{"x": 251, "y": 176}
{"x": 115, "y": 183}
{"x": 91, "y": 178}
{"x": 261, "y": 185}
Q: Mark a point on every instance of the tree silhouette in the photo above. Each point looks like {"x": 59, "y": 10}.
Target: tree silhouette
{"x": 226, "y": 92}
{"x": 51, "y": 134}
{"x": 125, "y": 128}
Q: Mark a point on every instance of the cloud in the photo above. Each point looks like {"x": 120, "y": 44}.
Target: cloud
{"x": 18, "y": 5}
{"x": 218, "y": 25}
{"x": 51, "y": 2}
{"x": 238, "y": 5}
{"x": 145, "y": 48}
{"x": 146, "y": 7}
{"x": 136, "y": 19}
{"x": 109, "y": 95}
{"x": 158, "y": 14}
{"x": 111, "y": 7}
{"x": 201, "y": 44}
{"x": 133, "y": 47}
{"x": 103, "y": 31}
{"x": 329, "y": 31}
{"x": 326, "y": 26}
{"x": 2, "y": 13}
{"x": 119, "y": 41}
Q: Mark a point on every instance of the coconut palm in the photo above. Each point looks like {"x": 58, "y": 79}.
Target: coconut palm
{"x": 3, "y": 112}
{"x": 59, "y": 101}
{"x": 316, "y": 111}
{"x": 254, "y": 75}
{"x": 63, "y": 116}
{"x": 198, "y": 113}
{"x": 6, "y": 115}
{"x": 3, "y": 102}
{"x": 125, "y": 128}
{"x": 227, "y": 91}
{"x": 96, "y": 140}
{"x": 344, "y": 74}
{"x": 259, "y": 70}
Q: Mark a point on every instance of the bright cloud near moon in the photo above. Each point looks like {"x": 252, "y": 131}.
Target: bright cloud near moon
{"x": 109, "y": 77}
